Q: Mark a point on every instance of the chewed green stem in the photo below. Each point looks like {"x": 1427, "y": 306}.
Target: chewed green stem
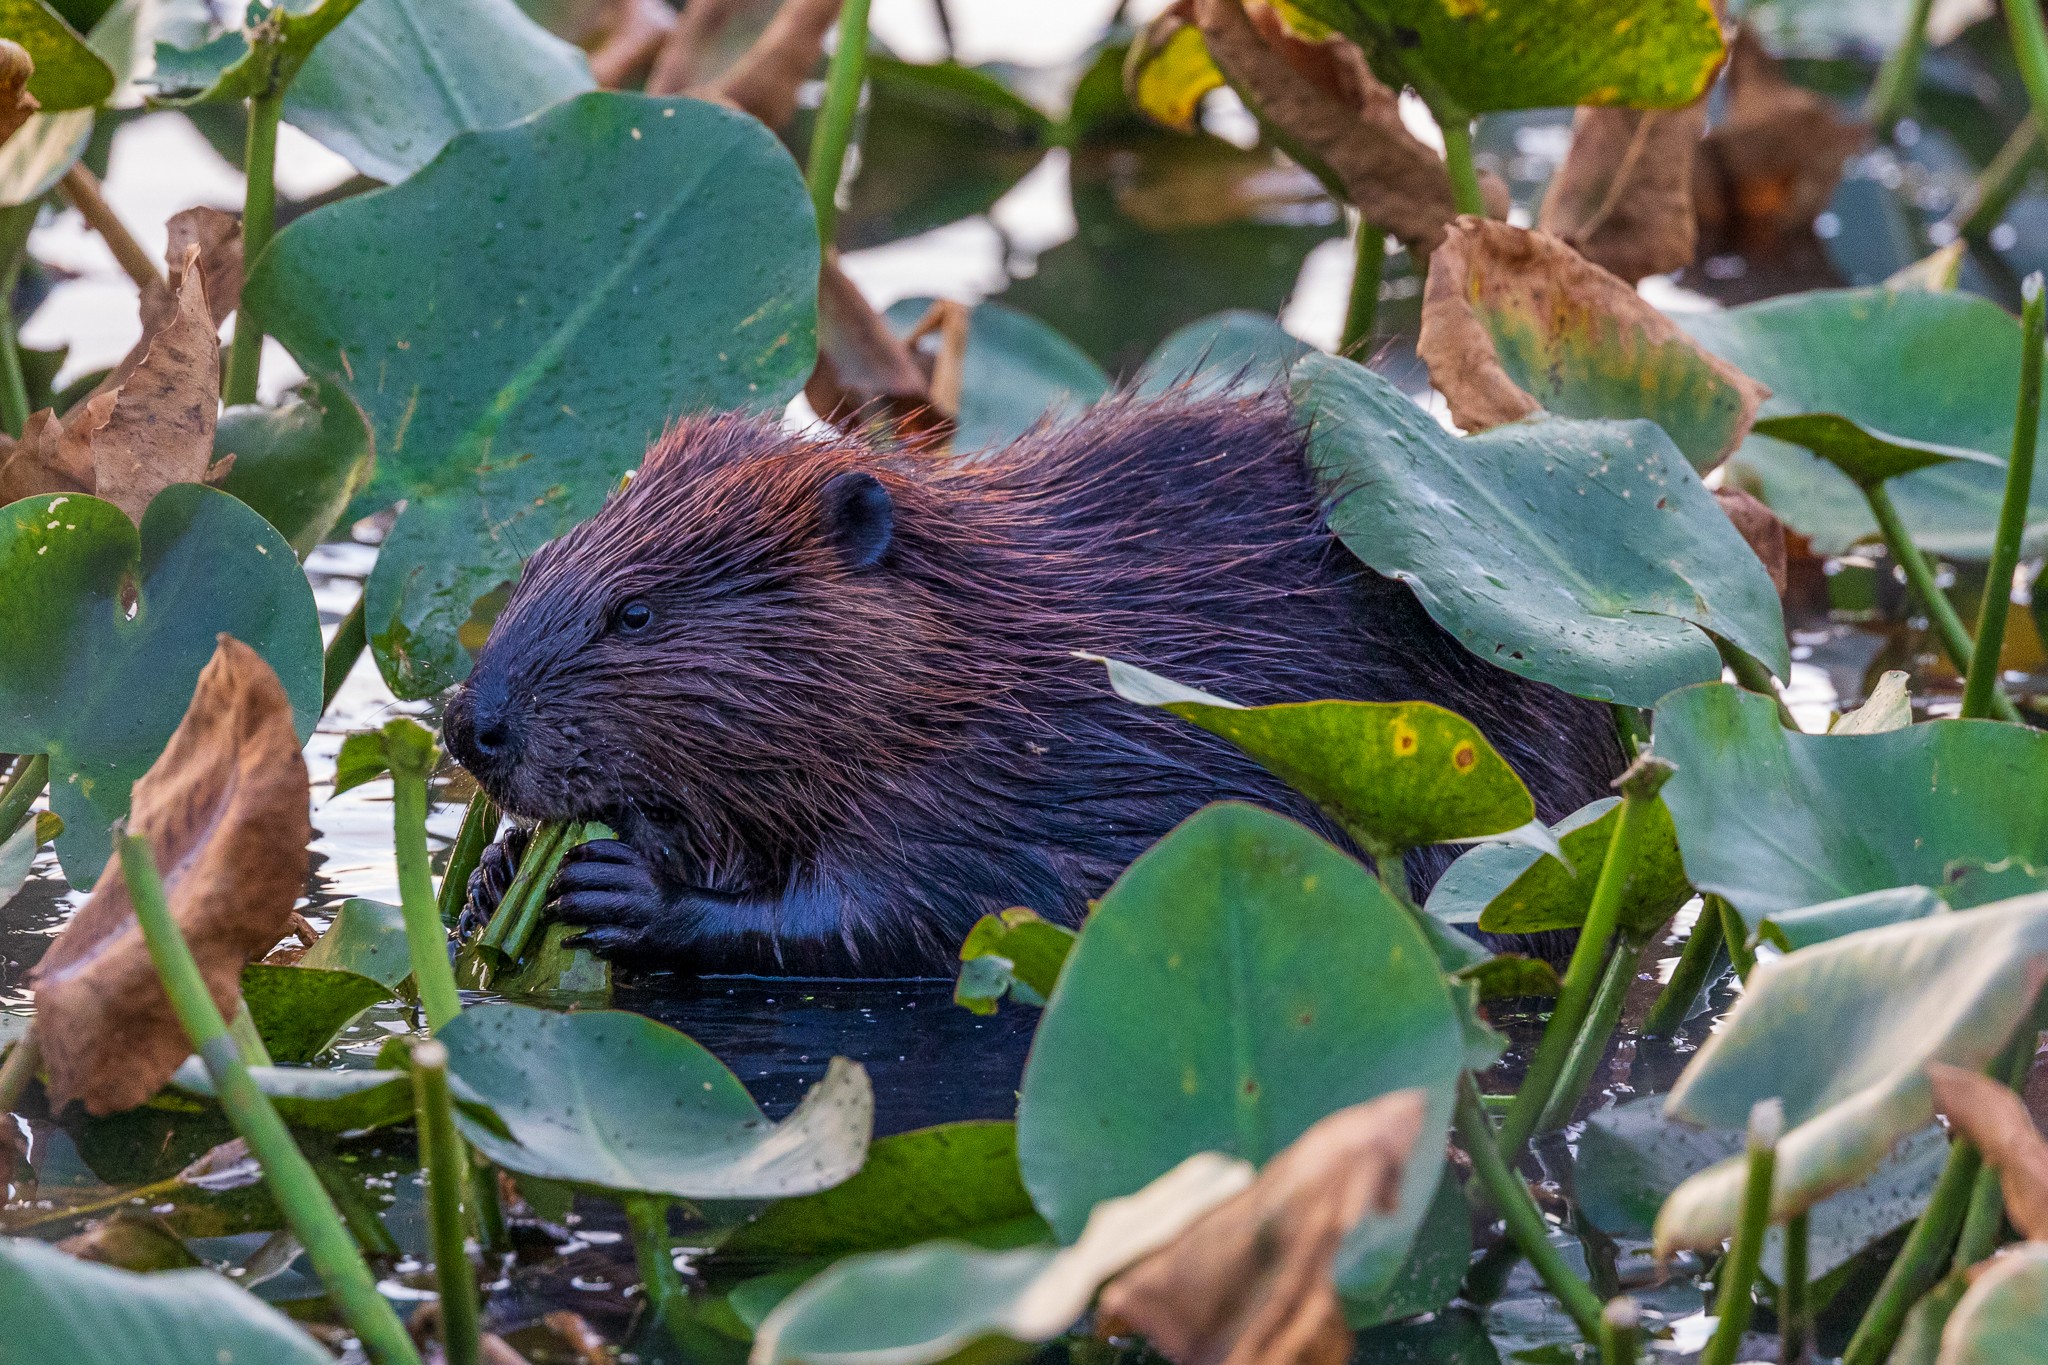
{"x": 1465, "y": 193}
{"x": 834, "y": 130}
{"x": 479, "y": 827}
{"x": 1900, "y": 74}
{"x": 1745, "y": 1253}
{"x": 339, "y": 658}
{"x": 18, "y": 796}
{"x": 504, "y": 940}
{"x": 445, "y": 1159}
{"x": 1941, "y": 614}
{"x": 259, "y": 220}
{"x": 308, "y": 1210}
{"x": 1688, "y": 977}
{"x": 426, "y": 937}
{"x": 2012, "y": 514}
{"x": 1621, "y": 1332}
{"x": 1510, "y": 1197}
{"x": 1370, "y": 253}
{"x": 1591, "y": 1044}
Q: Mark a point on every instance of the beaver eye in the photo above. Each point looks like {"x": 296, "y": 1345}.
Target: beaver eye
{"x": 632, "y": 618}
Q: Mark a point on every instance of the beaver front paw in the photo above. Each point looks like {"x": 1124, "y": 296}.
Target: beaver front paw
{"x": 609, "y": 889}
{"x": 490, "y": 881}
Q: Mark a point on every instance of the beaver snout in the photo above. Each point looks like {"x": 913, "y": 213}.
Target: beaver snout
{"x": 483, "y": 734}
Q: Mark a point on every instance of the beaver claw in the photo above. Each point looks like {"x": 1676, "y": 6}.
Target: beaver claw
{"x": 609, "y": 889}
{"x": 490, "y": 881}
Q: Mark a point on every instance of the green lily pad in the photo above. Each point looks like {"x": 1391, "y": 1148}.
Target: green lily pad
{"x": 612, "y": 1101}
{"x": 1950, "y": 364}
{"x": 545, "y": 284}
{"x": 239, "y": 63}
{"x": 1509, "y": 889}
{"x": 945, "y": 1181}
{"x": 61, "y": 1311}
{"x": 402, "y": 77}
{"x": 1842, "y": 1033}
{"x": 559, "y": 974}
{"x": 1013, "y": 953}
{"x": 1792, "y": 930}
{"x": 1775, "y": 821}
{"x": 366, "y": 938}
{"x": 100, "y": 688}
{"x": 68, "y": 74}
{"x": 318, "y": 1099}
{"x": 2004, "y": 1315}
{"x": 1865, "y": 454}
{"x": 298, "y": 464}
{"x": 1538, "y": 53}
{"x": 1395, "y": 775}
{"x": 1017, "y": 372}
{"x": 1492, "y": 533}
{"x": 299, "y": 1010}
{"x": 1435, "y": 1266}
{"x": 1212, "y": 1004}
{"x": 18, "y": 852}
{"x": 1236, "y": 348}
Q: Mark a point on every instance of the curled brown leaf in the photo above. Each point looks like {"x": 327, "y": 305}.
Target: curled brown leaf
{"x": 709, "y": 36}
{"x": 1996, "y": 1120}
{"x": 16, "y": 104}
{"x": 1761, "y": 528}
{"x": 225, "y": 812}
{"x": 1623, "y": 197}
{"x": 865, "y": 372}
{"x": 632, "y": 41}
{"x": 1249, "y": 1283}
{"x": 765, "y": 79}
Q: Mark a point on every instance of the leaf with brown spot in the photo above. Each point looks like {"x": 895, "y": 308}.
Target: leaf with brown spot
{"x": 1623, "y": 197}
{"x": 16, "y": 104}
{"x": 1996, "y": 1119}
{"x": 1761, "y": 528}
{"x": 1515, "y": 322}
{"x": 225, "y": 811}
{"x": 1250, "y": 1282}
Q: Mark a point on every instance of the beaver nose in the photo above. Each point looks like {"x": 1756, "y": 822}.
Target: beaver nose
{"x": 479, "y": 733}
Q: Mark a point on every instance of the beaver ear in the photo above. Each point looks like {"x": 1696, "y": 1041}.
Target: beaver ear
{"x": 859, "y": 518}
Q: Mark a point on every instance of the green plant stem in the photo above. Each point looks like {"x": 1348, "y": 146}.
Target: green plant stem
{"x": 490, "y": 1209}
{"x": 2030, "y": 49}
{"x": 425, "y": 936}
{"x": 648, "y": 1217}
{"x": 1983, "y": 1220}
{"x": 248, "y": 1042}
{"x": 1370, "y": 253}
{"x": 308, "y": 1210}
{"x": 340, "y": 656}
{"x": 1735, "y": 933}
{"x": 1941, "y": 614}
{"x": 2012, "y": 514}
{"x": 1739, "y": 1266}
{"x": 1752, "y": 676}
{"x": 479, "y": 827}
{"x": 1581, "y": 979}
{"x": 1525, "y": 1221}
{"x": 834, "y": 130}
{"x": 1392, "y": 870}
{"x": 1591, "y": 1044}
{"x": 24, "y": 1059}
{"x": 1621, "y": 1332}
{"x": 1794, "y": 1311}
{"x": 1688, "y": 977}
{"x": 1630, "y": 729}
{"x": 1900, "y": 74}
{"x": 259, "y": 219}
{"x": 16, "y": 222}
{"x": 18, "y": 796}
{"x": 1919, "y": 1261}
{"x": 1457, "y": 128}
{"x": 2000, "y": 182}
{"x": 446, "y": 1162}
{"x": 504, "y": 940}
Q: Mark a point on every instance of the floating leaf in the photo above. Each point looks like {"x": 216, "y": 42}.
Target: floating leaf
{"x": 1517, "y": 890}
{"x": 1017, "y": 372}
{"x": 551, "y": 364}
{"x": 1515, "y": 323}
{"x": 2004, "y": 1315}
{"x": 1395, "y": 775}
{"x": 224, "y": 810}
{"x": 1023, "y": 956}
{"x": 1233, "y": 349}
{"x": 298, "y": 464}
{"x": 1842, "y": 1033}
{"x": 68, "y": 74}
{"x": 1212, "y": 1003}
{"x": 616, "y": 1102}
{"x": 1990, "y": 1115}
{"x": 1775, "y": 820}
{"x": 365, "y": 938}
{"x": 61, "y": 1311}
{"x": 318, "y": 1099}
{"x": 1490, "y": 532}
{"x": 298, "y": 1010}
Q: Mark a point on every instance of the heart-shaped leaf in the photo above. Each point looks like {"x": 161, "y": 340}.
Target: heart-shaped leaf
{"x": 1016, "y": 372}
{"x": 1212, "y": 1004}
{"x": 1232, "y": 349}
{"x": 365, "y": 938}
{"x": 68, "y": 73}
{"x": 1775, "y": 820}
{"x": 298, "y": 464}
{"x": 1514, "y": 889}
{"x": 616, "y": 1102}
{"x": 298, "y": 1010}
{"x": 1494, "y": 533}
{"x": 2004, "y": 1314}
{"x": 105, "y": 627}
{"x": 551, "y": 360}
{"x": 63, "y": 1310}
{"x": 401, "y": 77}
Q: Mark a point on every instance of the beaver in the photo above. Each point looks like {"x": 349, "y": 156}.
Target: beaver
{"x": 826, "y": 694}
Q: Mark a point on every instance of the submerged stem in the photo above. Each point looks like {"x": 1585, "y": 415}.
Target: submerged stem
{"x": 834, "y": 129}
{"x": 2012, "y": 514}
{"x": 1370, "y": 254}
{"x": 1688, "y": 977}
{"x": 445, "y": 1159}
{"x": 259, "y": 219}
{"x": 1941, "y": 614}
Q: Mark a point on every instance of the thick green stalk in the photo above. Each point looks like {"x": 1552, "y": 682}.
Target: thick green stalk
{"x": 2030, "y": 49}
{"x": 1621, "y": 1332}
{"x": 1795, "y": 1313}
{"x": 1941, "y": 614}
{"x": 2012, "y": 514}
{"x": 425, "y": 936}
{"x": 1920, "y": 1260}
{"x": 1370, "y": 253}
{"x": 19, "y": 795}
{"x": 1983, "y": 1220}
{"x": 1752, "y": 676}
{"x": 342, "y": 651}
{"x": 1738, "y": 1267}
{"x": 647, "y": 1215}
{"x": 1525, "y": 1221}
{"x": 1457, "y": 128}
{"x": 1999, "y": 183}
{"x": 1591, "y": 1044}
{"x": 259, "y": 220}
{"x": 445, "y": 1159}
{"x": 308, "y": 1210}
{"x": 24, "y": 1059}
{"x": 505, "y": 939}
{"x": 1735, "y": 933}
{"x": 1688, "y": 977}
{"x": 16, "y": 222}
{"x": 834, "y": 129}
{"x": 1900, "y": 74}
{"x": 1631, "y": 729}
{"x": 479, "y": 827}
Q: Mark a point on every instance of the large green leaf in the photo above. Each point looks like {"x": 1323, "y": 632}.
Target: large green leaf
{"x": 41, "y": 150}
{"x": 1213, "y": 1004}
{"x": 1791, "y": 930}
{"x": 1234, "y": 348}
{"x": 103, "y": 632}
{"x": 61, "y": 1311}
{"x": 520, "y": 319}
{"x": 1536, "y": 53}
{"x": 297, "y": 464}
{"x": 1514, "y": 889}
{"x": 1583, "y": 554}
{"x": 299, "y": 1010}
{"x": 1775, "y": 820}
{"x": 258, "y": 53}
{"x": 616, "y": 1102}
{"x": 1901, "y": 366}
{"x": 365, "y": 938}
{"x": 394, "y": 84}
{"x": 68, "y": 74}
{"x": 1017, "y": 372}
{"x": 1841, "y": 1033}
{"x": 318, "y": 1099}
{"x": 2004, "y": 1316}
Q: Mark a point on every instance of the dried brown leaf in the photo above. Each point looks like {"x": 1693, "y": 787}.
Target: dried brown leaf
{"x": 582, "y": 1338}
{"x": 1761, "y": 528}
{"x": 225, "y": 811}
{"x": 632, "y": 41}
{"x": 42, "y": 461}
{"x": 865, "y": 372}
{"x": 709, "y": 37}
{"x": 1993, "y": 1117}
{"x": 1249, "y": 1283}
{"x": 141, "y": 1242}
{"x": 764, "y": 81}
{"x": 16, "y": 104}
{"x": 1623, "y": 197}
{"x": 159, "y": 429}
